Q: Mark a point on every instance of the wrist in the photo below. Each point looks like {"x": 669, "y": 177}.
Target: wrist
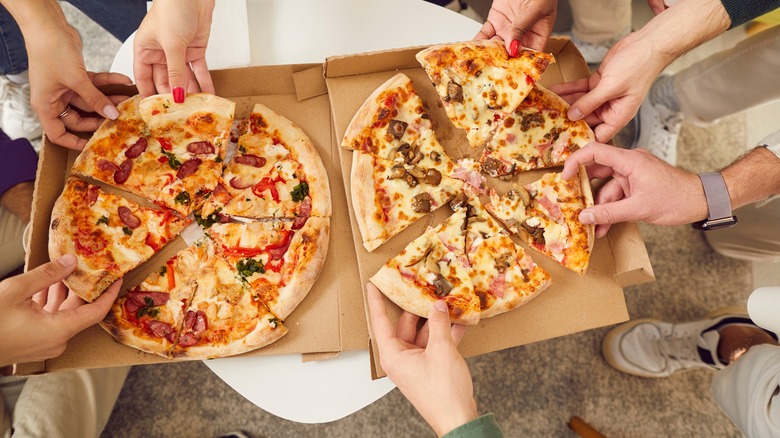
{"x": 456, "y": 417}
{"x": 34, "y": 16}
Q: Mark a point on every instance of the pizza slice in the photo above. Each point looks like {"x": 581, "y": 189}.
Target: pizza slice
{"x": 427, "y": 271}
{"x": 276, "y": 171}
{"x": 280, "y": 260}
{"x": 388, "y": 196}
{"x": 392, "y": 116}
{"x": 536, "y": 135}
{"x": 166, "y": 152}
{"x": 502, "y": 275}
{"x": 109, "y": 235}
{"x": 150, "y": 316}
{"x": 478, "y": 82}
{"x": 225, "y": 317}
{"x": 545, "y": 214}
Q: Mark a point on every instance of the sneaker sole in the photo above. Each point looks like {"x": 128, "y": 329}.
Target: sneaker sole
{"x": 617, "y": 331}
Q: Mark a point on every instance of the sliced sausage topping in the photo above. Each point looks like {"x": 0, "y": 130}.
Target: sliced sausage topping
{"x": 250, "y": 160}
{"x": 200, "y": 147}
{"x": 137, "y": 149}
{"x": 129, "y": 218}
{"x": 188, "y": 168}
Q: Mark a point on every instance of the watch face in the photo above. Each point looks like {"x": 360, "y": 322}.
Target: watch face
{"x": 715, "y": 224}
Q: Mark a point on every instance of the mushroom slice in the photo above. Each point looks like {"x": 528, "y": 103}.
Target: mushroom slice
{"x": 397, "y": 171}
{"x": 396, "y": 128}
{"x": 432, "y": 177}
{"x": 422, "y": 203}
{"x": 454, "y": 92}
{"x": 443, "y": 287}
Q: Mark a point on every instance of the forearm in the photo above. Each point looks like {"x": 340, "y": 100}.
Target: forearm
{"x": 684, "y": 26}
{"x": 753, "y": 178}
{"x": 32, "y": 15}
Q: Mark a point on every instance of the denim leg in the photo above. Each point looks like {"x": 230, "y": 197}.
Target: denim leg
{"x": 13, "y": 53}
{"x": 119, "y": 17}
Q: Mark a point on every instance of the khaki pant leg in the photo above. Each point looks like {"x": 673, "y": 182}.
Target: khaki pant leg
{"x": 11, "y": 249}
{"x": 733, "y": 80}
{"x": 756, "y": 237}
{"x": 600, "y": 20}
{"x": 68, "y": 404}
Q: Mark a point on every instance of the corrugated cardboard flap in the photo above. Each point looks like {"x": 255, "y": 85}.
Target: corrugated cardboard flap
{"x": 631, "y": 258}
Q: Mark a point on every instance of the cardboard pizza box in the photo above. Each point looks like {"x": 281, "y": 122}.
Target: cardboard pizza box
{"x": 329, "y": 320}
{"x": 321, "y": 99}
{"x": 572, "y": 303}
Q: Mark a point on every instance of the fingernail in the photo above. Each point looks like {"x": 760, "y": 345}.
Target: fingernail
{"x": 575, "y": 114}
{"x": 587, "y": 217}
{"x": 67, "y": 260}
{"x": 111, "y": 112}
{"x": 178, "y": 94}
{"x": 514, "y": 47}
{"x": 440, "y": 305}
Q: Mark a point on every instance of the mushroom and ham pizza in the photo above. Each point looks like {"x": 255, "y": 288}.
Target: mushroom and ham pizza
{"x": 109, "y": 235}
{"x": 265, "y": 214}
{"x": 469, "y": 262}
{"x": 478, "y": 82}
{"x": 545, "y": 214}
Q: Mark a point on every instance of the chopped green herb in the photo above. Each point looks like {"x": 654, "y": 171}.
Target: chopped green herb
{"x": 274, "y": 322}
{"x": 247, "y": 267}
{"x": 218, "y": 159}
{"x": 172, "y": 160}
{"x": 182, "y": 198}
{"x": 242, "y": 149}
{"x": 300, "y": 192}
{"x": 209, "y": 220}
{"x": 163, "y": 270}
{"x": 103, "y": 220}
{"x": 127, "y": 231}
{"x": 165, "y": 105}
{"x": 148, "y": 309}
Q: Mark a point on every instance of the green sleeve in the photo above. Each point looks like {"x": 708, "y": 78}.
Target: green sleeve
{"x": 483, "y": 427}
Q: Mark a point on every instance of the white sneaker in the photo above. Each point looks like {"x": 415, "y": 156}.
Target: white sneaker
{"x": 18, "y": 118}
{"x": 653, "y": 348}
{"x": 657, "y": 130}
{"x": 594, "y": 53}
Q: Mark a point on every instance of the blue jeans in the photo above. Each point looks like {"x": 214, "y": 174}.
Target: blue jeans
{"x": 119, "y": 17}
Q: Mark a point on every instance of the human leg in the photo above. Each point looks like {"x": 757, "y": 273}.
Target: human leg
{"x": 72, "y": 403}
{"x": 119, "y": 17}
{"x": 598, "y": 25}
{"x": 755, "y": 237}
{"x": 748, "y": 391}
{"x": 13, "y": 54}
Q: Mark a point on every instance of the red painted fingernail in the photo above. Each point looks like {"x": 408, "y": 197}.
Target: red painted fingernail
{"x": 178, "y": 94}
{"x": 514, "y": 47}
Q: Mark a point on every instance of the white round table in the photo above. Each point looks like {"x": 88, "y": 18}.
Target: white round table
{"x": 308, "y": 31}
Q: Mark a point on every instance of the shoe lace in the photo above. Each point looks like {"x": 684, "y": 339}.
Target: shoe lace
{"x": 678, "y": 348}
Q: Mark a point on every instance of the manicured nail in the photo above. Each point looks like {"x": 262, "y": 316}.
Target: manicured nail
{"x": 67, "y": 260}
{"x": 178, "y": 94}
{"x": 575, "y": 114}
{"x": 514, "y": 47}
{"x": 111, "y": 112}
{"x": 587, "y": 217}
{"x": 440, "y": 305}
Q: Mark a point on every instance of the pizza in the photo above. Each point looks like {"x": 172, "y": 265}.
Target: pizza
{"x": 469, "y": 262}
{"x": 276, "y": 171}
{"x": 170, "y": 153}
{"x": 478, "y": 82}
{"x": 197, "y": 306}
{"x": 536, "y": 135}
{"x": 545, "y": 214}
{"x": 278, "y": 259}
{"x": 109, "y": 235}
{"x": 400, "y": 171}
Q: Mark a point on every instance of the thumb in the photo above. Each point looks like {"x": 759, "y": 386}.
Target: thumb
{"x": 610, "y": 213}
{"x": 28, "y": 284}
{"x": 587, "y": 103}
{"x": 439, "y": 324}
{"x": 89, "y": 314}
{"x": 178, "y": 70}
{"x": 95, "y": 99}
{"x": 517, "y": 32}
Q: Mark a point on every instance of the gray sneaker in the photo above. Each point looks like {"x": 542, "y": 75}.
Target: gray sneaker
{"x": 657, "y": 130}
{"x": 653, "y": 348}
{"x": 18, "y": 118}
{"x": 594, "y": 53}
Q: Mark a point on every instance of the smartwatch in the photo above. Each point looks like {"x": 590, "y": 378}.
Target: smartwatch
{"x": 718, "y": 203}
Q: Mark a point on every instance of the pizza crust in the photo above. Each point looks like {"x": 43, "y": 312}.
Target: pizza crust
{"x": 124, "y": 333}
{"x": 311, "y": 243}
{"x": 364, "y": 117}
{"x": 587, "y": 194}
{"x": 262, "y": 335}
{"x": 407, "y": 297}
{"x": 364, "y": 201}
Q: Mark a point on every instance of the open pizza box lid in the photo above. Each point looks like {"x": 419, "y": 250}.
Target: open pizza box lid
{"x": 329, "y": 320}
{"x": 572, "y": 303}
{"x": 332, "y": 317}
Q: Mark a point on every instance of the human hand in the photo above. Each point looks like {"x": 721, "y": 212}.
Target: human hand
{"x": 169, "y": 51}
{"x": 425, "y": 364}
{"x": 659, "y": 6}
{"x": 641, "y": 187}
{"x": 528, "y": 21}
{"x": 39, "y": 314}
{"x": 611, "y": 97}
{"x": 59, "y": 80}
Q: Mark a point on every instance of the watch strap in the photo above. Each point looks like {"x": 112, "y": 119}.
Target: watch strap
{"x": 772, "y": 142}
{"x": 718, "y": 202}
